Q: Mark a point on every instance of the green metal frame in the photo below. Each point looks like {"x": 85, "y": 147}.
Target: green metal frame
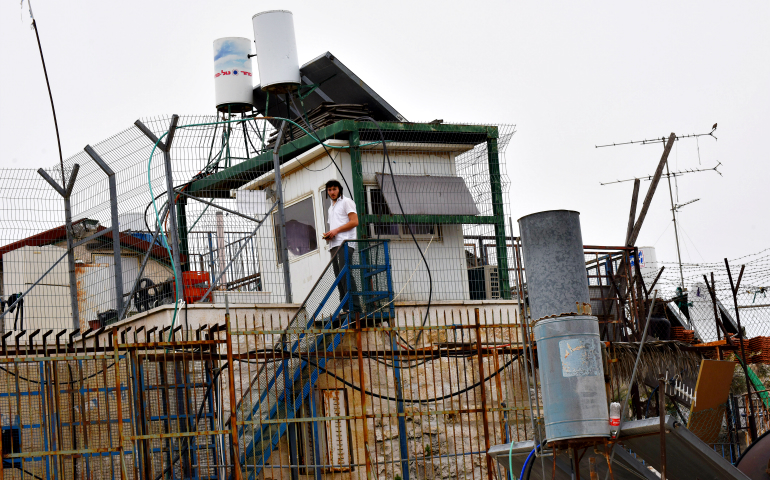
{"x": 358, "y": 194}
{"x": 218, "y": 185}
{"x": 499, "y": 214}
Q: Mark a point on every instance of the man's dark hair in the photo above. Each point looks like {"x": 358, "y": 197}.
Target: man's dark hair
{"x": 334, "y": 183}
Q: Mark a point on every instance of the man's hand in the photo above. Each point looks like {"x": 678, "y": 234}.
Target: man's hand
{"x": 331, "y": 234}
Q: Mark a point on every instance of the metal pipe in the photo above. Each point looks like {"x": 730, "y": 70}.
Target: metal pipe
{"x": 631, "y": 382}
{"x": 118, "y": 403}
{"x": 221, "y": 245}
{"x": 676, "y": 231}
{"x": 362, "y": 382}
{"x": 220, "y": 207}
{"x": 662, "y": 416}
{"x": 243, "y": 245}
{"x": 284, "y": 251}
{"x": 527, "y": 349}
{"x": 117, "y": 267}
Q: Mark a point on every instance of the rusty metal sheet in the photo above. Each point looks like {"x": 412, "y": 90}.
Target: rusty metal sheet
{"x": 693, "y": 457}
{"x": 625, "y": 466}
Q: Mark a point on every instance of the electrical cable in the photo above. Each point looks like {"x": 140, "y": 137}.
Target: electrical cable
{"x": 155, "y": 207}
{"x": 310, "y": 125}
{"x": 160, "y": 224}
{"x": 408, "y": 225}
{"x": 385, "y": 397}
{"x": 524, "y": 470}
{"x": 24, "y": 470}
{"x": 20, "y": 377}
{"x": 385, "y": 155}
{"x": 50, "y": 95}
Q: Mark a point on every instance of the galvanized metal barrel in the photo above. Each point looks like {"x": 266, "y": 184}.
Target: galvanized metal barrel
{"x": 555, "y": 266}
{"x": 572, "y": 378}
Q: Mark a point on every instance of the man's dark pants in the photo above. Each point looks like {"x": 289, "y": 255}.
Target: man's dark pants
{"x": 338, "y": 263}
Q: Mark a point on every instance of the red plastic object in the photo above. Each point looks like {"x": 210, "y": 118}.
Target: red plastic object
{"x": 195, "y": 285}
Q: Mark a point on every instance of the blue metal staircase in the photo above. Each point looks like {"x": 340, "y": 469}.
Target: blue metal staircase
{"x": 279, "y": 388}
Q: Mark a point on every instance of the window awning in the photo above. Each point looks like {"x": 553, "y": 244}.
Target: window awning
{"x": 426, "y": 195}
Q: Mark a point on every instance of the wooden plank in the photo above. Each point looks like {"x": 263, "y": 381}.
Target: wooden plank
{"x": 651, "y": 191}
{"x": 632, "y": 215}
{"x": 711, "y": 392}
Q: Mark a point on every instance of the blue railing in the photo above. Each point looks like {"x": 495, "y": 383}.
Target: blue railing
{"x": 355, "y": 284}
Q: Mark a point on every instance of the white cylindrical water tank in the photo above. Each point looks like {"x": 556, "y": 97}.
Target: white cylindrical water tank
{"x": 648, "y": 264}
{"x": 276, "y": 50}
{"x": 233, "y": 74}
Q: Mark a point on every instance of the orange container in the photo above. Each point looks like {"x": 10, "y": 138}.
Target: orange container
{"x": 195, "y": 285}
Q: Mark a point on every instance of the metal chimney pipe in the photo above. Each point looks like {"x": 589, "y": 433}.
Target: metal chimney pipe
{"x": 555, "y": 266}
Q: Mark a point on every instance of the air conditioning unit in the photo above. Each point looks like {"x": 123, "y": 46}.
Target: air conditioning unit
{"x": 491, "y": 282}
{"x": 484, "y": 282}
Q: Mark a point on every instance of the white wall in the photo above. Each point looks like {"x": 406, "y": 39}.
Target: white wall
{"x": 47, "y": 306}
{"x": 297, "y": 186}
{"x": 445, "y": 255}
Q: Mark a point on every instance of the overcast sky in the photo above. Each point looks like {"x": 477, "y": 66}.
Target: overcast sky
{"x": 570, "y": 75}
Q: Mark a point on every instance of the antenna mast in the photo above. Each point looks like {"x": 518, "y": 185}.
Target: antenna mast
{"x": 676, "y": 230}
{"x": 674, "y": 208}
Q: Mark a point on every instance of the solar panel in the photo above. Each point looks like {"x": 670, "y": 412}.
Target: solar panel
{"x": 336, "y": 84}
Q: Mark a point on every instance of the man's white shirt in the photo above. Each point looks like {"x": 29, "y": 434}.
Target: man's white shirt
{"x": 338, "y": 216}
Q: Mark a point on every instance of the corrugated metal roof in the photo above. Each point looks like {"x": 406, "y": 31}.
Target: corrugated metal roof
{"x": 427, "y": 195}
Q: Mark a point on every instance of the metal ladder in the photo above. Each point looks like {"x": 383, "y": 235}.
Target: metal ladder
{"x": 279, "y": 389}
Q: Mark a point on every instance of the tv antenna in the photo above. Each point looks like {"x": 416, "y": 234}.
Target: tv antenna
{"x": 662, "y": 139}
{"x": 677, "y": 207}
{"x": 633, "y": 229}
{"x": 668, "y": 175}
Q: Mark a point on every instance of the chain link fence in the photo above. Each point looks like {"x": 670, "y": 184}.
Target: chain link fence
{"x": 448, "y": 241}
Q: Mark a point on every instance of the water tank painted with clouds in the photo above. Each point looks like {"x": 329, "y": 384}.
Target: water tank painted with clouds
{"x": 233, "y": 75}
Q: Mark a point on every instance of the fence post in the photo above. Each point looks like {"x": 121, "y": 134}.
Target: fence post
{"x": 234, "y": 449}
{"x": 119, "y": 402}
{"x": 496, "y": 182}
{"x": 362, "y": 383}
{"x": 66, "y": 192}
{"x": 284, "y": 251}
{"x": 165, "y": 147}
{"x": 484, "y": 416}
{"x": 2, "y": 475}
{"x": 118, "y": 267}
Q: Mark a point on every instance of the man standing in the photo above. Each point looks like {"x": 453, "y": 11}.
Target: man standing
{"x": 343, "y": 221}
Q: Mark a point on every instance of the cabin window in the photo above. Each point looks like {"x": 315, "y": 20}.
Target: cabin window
{"x": 300, "y": 229}
{"x": 376, "y": 205}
